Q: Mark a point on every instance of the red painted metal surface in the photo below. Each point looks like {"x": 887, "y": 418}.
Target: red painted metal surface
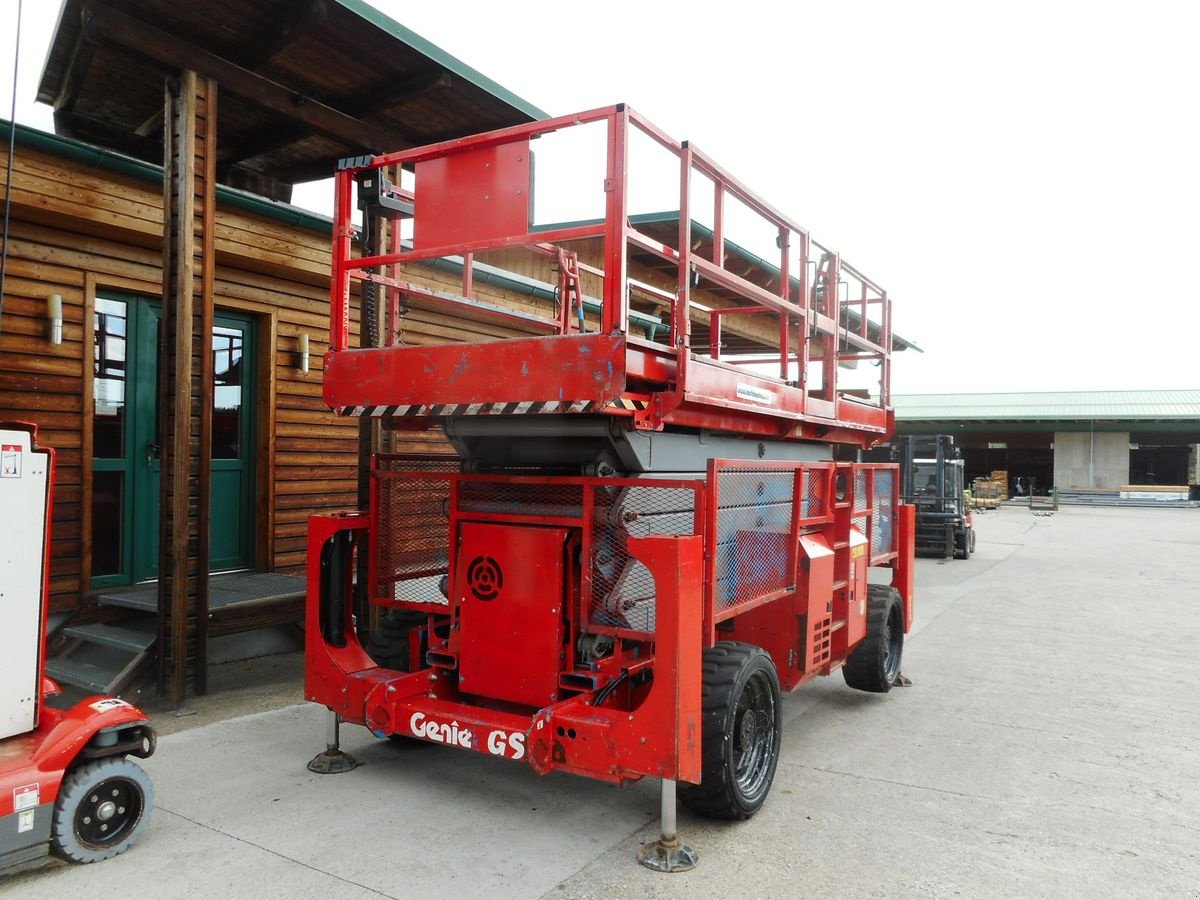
{"x": 509, "y": 645}
{"x": 479, "y": 194}
{"x": 582, "y": 367}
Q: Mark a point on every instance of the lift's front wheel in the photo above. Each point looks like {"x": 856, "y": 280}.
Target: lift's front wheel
{"x": 740, "y": 732}
{"x": 874, "y": 665}
{"x": 101, "y": 810}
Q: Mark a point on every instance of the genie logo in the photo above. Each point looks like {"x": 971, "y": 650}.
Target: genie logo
{"x": 440, "y": 732}
{"x": 509, "y": 745}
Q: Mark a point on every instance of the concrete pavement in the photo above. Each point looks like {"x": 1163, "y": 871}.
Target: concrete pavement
{"x": 1049, "y": 747}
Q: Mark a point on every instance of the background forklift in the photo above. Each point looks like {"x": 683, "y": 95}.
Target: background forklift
{"x": 66, "y": 782}
{"x": 932, "y": 480}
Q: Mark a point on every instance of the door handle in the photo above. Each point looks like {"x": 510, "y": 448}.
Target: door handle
{"x": 152, "y": 450}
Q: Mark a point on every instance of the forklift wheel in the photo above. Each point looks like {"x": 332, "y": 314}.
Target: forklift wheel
{"x": 739, "y": 740}
{"x": 964, "y": 549}
{"x": 101, "y": 811}
{"x": 874, "y": 665}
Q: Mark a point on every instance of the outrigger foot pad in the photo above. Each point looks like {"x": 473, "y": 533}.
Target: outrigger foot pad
{"x": 332, "y": 762}
{"x": 902, "y": 680}
{"x": 668, "y": 855}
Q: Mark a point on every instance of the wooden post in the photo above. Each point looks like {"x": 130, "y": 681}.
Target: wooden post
{"x": 185, "y": 378}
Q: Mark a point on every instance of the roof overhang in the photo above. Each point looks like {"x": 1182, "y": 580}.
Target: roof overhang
{"x": 302, "y": 83}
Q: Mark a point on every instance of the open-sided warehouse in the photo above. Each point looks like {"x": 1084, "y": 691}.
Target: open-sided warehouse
{"x": 1081, "y": 440}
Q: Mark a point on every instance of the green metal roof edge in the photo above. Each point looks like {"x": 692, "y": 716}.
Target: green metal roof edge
{"x": 437, "y": 54}
{"x": 110, "y": 160}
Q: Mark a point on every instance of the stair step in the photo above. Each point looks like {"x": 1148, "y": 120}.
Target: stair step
{"x": 138, "y": 596}
{"x": 120, "y": 637}
{"x": 81, "y": 674}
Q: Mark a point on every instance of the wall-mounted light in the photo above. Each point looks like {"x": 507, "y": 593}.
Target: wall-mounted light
{"x": 304, "y": 353}
{"x": 54, "y": 315}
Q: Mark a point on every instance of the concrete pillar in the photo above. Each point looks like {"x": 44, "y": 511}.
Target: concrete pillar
{"x": 1096, "y": 460}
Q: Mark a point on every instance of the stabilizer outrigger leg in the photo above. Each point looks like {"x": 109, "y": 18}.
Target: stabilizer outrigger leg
{"x": 668, "y": 853}
{"x": 332, "y": 760}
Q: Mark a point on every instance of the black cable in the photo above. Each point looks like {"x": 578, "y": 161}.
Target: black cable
{"x": 12, "y": 151}
{"x": 605, "y": 691}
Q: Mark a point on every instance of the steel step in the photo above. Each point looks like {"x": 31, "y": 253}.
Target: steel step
{"x": 143, "y": 597}
{"x": 81, "y": 674}
{"x": 121, "y": 637}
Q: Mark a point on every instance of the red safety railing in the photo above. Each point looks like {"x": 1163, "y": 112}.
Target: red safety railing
{"x": 473, "y": 195}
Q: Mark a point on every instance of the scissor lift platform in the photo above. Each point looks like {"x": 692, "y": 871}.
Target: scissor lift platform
{"x": 810, "y": 314}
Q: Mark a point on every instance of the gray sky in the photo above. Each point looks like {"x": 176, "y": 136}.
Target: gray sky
{"x": 1023, "y": 178}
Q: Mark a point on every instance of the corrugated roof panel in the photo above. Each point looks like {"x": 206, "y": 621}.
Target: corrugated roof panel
{"x": 1049, "y": 405}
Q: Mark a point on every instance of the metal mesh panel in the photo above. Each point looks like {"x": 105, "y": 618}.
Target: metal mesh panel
{"x": 412, "y": 538}
{"x": 883, "y": 518}
{"x": 816, "y": 485}
{"x": 753, "y": 538}
{"x": 622, "y": 589}
{"x": 861, "y": 500}
{"x": 519, "y": 499}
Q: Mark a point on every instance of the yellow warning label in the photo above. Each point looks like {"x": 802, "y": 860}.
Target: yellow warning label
{"x": 856, "y": 552}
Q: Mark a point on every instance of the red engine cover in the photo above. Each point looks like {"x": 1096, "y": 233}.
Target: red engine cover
{"x": 509, "y": 592}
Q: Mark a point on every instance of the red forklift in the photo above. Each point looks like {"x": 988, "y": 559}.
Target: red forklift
{"x": 67, "y": 784}
{"x": 643, "y": 537}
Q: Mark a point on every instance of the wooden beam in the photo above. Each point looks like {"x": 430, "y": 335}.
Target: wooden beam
{"x": 383, "y": 97}
{"x": 102, "y": 22}
{"x": 175, "y": 375}
{"x": 284, "y": 31}
{"x": 98, "y": 131}
{"x": 80, "y": 61}
{"x": 208, "y": 276}
{"x": 370, "y": 103}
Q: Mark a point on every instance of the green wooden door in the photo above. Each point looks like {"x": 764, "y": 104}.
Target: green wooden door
{"x": 233, "y": 444}
{"x": 145, "y": 454}
{"x": 126, "y": 464}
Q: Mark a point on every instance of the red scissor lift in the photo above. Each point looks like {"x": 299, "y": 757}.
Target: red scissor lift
{"x": 643, "y": 537}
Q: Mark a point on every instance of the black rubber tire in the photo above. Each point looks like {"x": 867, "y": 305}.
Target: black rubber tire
{"x": 388, "y": 644}
{"x": 966, "y": 546}
{"x": 874, "y": 665}
{"x": 738, "y": 678}
{"x": 102, "y": 809}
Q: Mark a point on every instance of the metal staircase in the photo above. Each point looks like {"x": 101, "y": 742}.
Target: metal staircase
{"x": 106, "y": 656}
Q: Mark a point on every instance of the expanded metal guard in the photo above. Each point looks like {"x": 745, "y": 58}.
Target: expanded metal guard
{"x": 756, "y": 511}
{"x": 883, "y": 513}
{"x": 622, "y": 591}
{"x": 753, "y": 534}
{"x": 410, "y": 544}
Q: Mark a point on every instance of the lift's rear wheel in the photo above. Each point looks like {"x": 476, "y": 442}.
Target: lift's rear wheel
{"x": 874, "y": 665}
{"x": 740, "y": 732}
{"x": 102, "y": 809}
